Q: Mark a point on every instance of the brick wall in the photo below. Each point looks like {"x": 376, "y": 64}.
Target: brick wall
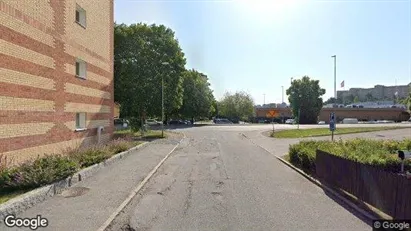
{"x": 39, "y": 92}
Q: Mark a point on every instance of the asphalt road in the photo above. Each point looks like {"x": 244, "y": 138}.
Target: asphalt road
{"x": 219, "y": 180}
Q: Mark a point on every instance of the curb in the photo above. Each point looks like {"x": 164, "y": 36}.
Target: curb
{"x": 27, "y": 200}
{"x": 319, "y": 184}
{"x": 113, "y": 216}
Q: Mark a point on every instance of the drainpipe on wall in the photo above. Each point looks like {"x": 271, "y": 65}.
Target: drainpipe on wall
{"x": 99, "y": 131}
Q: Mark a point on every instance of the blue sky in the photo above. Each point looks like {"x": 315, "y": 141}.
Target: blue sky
{"x": 258, "y": 45}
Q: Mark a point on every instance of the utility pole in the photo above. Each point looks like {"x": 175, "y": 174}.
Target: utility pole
{"x": 162, "y": 101}
{"x": 264, "y": 99}
{"x": 282, "y": 88}
{"x": 162, "y": 106}
{"x": 292, "y": 80}
{"x": 335, "y": 75}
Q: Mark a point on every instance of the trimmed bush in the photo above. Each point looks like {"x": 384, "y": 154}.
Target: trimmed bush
{"x": 90, "y": 156}
{"x": 119, "y": 145}
{"x": 42, "y": 171}
{"x": 378, "y": 153}
{"x": 52, "y": 168}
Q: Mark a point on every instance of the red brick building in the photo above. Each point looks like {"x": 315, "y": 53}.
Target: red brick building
{"x": 56, "y": 75}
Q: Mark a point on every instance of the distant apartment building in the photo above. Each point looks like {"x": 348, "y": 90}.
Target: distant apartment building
{"x": 379, "y": 92}
{"x": 56, "y": 75}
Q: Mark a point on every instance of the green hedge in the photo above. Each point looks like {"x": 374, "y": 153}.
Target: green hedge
{"x": 52, "y": 168}
{"x": 379, "y": 153}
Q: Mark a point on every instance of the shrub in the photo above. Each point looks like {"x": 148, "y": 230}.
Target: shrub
{"x": 119, "y": 145}
{"x": 90, "y": 156}
{"x": 42, "y": 171}
{"x": 373, "y": 152}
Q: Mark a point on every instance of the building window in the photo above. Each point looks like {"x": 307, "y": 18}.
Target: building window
{"x": 81, "y": 68}
{"x": 80, "y": 121}
{"x": 80, "y": 16}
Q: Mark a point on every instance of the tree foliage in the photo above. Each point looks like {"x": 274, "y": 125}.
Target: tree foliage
{"x": 407, "y": 100}
{"x": 197, "y": 96}
{"x": 333, "y": 100}
{"x": 239, "y": 105}
{"x": 139, "y": 51}
{"x": 305, "y": 95}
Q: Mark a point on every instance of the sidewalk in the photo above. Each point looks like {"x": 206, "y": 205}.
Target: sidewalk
{"x": 103, "y": 192}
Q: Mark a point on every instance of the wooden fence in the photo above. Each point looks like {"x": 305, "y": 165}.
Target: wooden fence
{"x": 389, "y": 192}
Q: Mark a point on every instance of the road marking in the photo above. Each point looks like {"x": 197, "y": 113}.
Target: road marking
{"x": 137, "y": 189}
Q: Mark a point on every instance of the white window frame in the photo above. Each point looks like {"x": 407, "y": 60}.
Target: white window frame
{"x": 82, "y": 16}
{"x": 81, "y": 118}
{"x": 82, "y": 72}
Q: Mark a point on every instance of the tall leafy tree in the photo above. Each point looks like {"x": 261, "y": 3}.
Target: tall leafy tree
{"x": 140, "y": 54}
{"x": 333, "y": 100}
{"x": 197, "y": 96}
{"x": 237, "y": 106}
{"x": 407, "y": 100}
{"x": 305, "y": 97}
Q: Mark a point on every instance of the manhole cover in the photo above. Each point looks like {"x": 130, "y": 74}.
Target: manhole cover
{"x": 74, "y": 192}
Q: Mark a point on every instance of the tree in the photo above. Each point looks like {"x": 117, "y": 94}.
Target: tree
{"x": 139, "y": 51}
{"x": 349, "y": 99}
{"x": 369, "y": 96}
{"x": 197, "y": 97}
{"x": 333, "y": 100}
{"x": 236, "y": 106}
{"x": 407, "y": 100}
{"x": 356, "y": 99}
{"x": 305, "y": 96}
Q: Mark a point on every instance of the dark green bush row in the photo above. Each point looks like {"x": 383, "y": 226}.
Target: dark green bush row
{"x": 52, "y": 168}
{"x": 378, "y": 153}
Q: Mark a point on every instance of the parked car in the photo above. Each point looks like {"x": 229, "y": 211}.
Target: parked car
{"x": 290, "y": 121}
{"x": 321, "y": 122}
{"x": 350, "y": 121}
{"x": 223, "y": 121}
{"x": 176, "y": 122}
{"x": 153, "y": 122}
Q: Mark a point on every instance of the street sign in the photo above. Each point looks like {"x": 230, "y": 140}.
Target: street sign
{"x": 271, "y": 114}
{"x": 332, "y": 121}
{"x": 404, "y": 154}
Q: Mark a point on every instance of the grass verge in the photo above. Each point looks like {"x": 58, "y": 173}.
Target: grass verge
{"x": 5, "y": 196}
{"x": 313, "y": 132}
{"x": 150, "y": 134}
{"x": 16, "y": 180}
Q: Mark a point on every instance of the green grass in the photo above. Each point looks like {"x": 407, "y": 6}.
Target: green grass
{"x": 379, "y": 153}
{"x": 312, "y": 132}
{"x": 150, "y": 134}
{"x": 123, "y": 132}
{"x": 5, "y": 196}
{"x": 286, "y": 157}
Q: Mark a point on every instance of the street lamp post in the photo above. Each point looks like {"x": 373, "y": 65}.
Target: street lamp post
{"x": 335, "y": 76}
{"x": 162, "y": 101}
{"x": 282, "y": 96}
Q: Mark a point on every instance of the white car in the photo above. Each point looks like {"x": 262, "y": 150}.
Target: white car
{"x": 152, "y": 122}
{"x": 350, "y": 121}
{"x": 321, "y": 122}
{"x": 290, "y": 121}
